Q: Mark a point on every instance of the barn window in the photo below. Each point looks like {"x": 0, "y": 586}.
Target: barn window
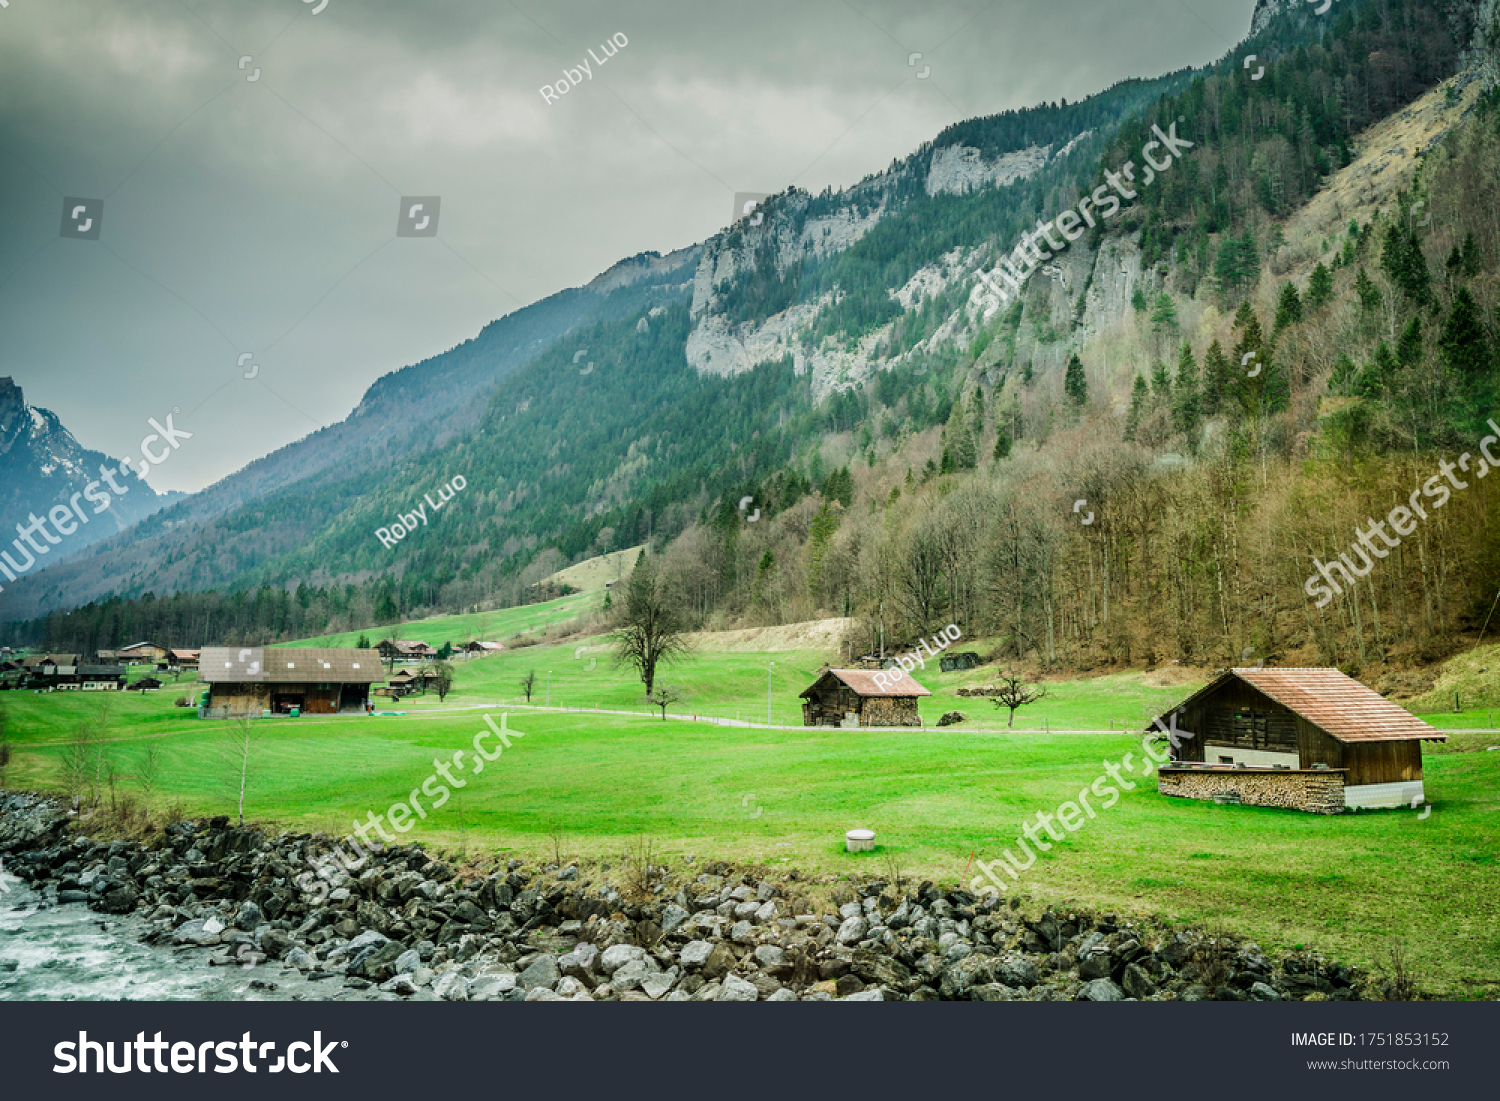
{"x": 1226, "y": 760}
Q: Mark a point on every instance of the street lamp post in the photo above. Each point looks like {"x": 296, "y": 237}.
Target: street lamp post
{"x": 549, "y": 687}
{"x": 769, "y": 667}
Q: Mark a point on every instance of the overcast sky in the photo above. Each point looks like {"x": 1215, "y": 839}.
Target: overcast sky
{"x": 259, "y": 215}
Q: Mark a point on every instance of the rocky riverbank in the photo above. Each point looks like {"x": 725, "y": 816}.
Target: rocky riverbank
{"x": 409, "y": 926}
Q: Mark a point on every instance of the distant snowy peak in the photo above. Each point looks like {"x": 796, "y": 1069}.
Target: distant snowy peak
{"x": 52, "y": 449}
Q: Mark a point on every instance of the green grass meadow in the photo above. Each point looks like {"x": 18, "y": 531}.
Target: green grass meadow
{"x": 1352, "y": 885}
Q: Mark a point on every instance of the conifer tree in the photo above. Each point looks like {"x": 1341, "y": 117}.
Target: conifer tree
{"x": 1075, "y": 382}
{"x": 1409, "y": 347}
{"x": 1379, "y": 375}
{"x": 1003, "y": 442}
{"x": 1164, "y": 315}
{"x": 1161, "y": 384}
{"x": 1368, "y": 292}
{"x": 1289, "y": 309}
{"x": 959, "y": 451}
{"x": 1320, "y": 287}
{"x": 1185, "y": 392}
{"x": 1464, "y": 343}
{"x": 1473, "y": 263}
{"x": 1140, "y": 396}
{"x": 1218, "y": 381}
{"x": 1405, "y": 264}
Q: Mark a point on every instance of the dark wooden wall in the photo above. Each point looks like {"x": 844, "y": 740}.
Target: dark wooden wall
{"x": 826, "y": 705}
{"x": 1237, "y": 715}
{"x": 1382, "y": 762}
{"x": 251, "y": 699}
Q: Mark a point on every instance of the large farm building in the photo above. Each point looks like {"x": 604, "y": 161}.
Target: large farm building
{"x": 247, "y": 681}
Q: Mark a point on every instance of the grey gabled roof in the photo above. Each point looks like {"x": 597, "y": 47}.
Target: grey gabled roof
{"x": 260, "y": 665}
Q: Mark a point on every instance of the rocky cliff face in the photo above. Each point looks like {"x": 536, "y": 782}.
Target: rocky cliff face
{"x": 722, "y": 344}
{"x": 1267, "y": 10}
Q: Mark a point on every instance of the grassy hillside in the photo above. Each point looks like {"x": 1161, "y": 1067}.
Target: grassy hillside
{"x": 592, "y": 574}
{"x": 495, "y": 626}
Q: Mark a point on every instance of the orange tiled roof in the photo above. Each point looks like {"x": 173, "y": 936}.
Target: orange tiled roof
{"x": 1339, "y": 705}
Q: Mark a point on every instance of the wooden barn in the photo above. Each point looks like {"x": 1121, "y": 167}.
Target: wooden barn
{"x": 408, "y": 680}
{"x": 851, "y": 698}
{"x": 180, "y": 659}
{"x": 1313, "y": 739}
{"x": 248, "y": 681}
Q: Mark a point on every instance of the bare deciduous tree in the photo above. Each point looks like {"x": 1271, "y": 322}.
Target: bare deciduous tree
{"x": 388, "y": 648}
{"x": 236, "y": 752}
{"x": 75, "y": 763}
{"x": 442, "y": 681}
{"x": 148, "y": 775}
{"x": 4, "y": 744}
{"x": 664, "y": 696}
{"x": 528, "y": 684}
{"x": 1013, "y": 693}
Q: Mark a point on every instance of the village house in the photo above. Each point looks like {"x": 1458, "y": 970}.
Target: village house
{"x": 247, "y": 681}
{"x": 408, "y": 681}
{"x": 1309, "y": 739}
{"x": 180, "y": 659}
{"x": 100, "y": 678}
{"x": 403, "y": 649}
{"x": 34, "y": 662}
{"x": 64, "y": 673}
{"x": 481, "y": 649}
{"x": 140, "y": 652}
{"x": 851, "y": 698}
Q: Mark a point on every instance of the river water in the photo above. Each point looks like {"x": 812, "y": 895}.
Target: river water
{"x": 70, "y": 953}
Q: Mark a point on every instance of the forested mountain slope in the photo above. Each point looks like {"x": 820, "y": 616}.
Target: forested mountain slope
{"x": 402, "y": 415}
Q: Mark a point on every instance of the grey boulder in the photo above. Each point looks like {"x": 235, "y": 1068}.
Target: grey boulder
{"x": 542, "y": 972}
{"x": 736, "y": 989}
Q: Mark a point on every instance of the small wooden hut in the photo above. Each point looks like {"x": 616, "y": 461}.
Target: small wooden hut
{"x": 852, "y": 698}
